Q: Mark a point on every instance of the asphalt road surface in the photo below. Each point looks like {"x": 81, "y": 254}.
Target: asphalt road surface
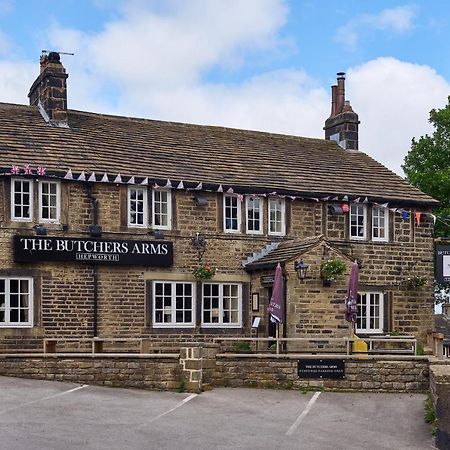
{"x": 63, "y": 416}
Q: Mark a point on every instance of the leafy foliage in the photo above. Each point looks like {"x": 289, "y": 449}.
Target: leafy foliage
{"x": 331, "y": 268}
{"x": 427, "y": 166}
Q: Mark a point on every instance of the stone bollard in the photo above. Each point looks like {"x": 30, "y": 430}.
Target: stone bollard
{"x": 198, "y": 362}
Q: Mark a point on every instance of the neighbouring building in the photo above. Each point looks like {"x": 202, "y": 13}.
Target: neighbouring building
{"x": 442, "y": 325}
{"x": 103, "y": 220}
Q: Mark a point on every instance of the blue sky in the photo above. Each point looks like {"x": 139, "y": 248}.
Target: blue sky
{"x": 257, "y": 64}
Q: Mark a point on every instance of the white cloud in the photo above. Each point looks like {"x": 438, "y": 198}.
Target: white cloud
{"x": 393, "y": 100}
{"x": 398, "y": 20}
{"x": 155, "y": 65}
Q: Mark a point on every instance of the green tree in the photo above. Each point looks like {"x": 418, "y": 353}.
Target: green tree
{"x": 427, "y": 166}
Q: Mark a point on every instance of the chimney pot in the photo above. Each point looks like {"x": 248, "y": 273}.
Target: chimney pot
{"x": 49, "y": 90}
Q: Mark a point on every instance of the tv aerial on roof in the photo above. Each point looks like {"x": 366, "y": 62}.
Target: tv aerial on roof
{"x": 46, "y": 52}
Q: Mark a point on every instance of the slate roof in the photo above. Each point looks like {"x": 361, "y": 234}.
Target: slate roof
{"x": 195, "y": 153}
{"x": 283, "y": 251}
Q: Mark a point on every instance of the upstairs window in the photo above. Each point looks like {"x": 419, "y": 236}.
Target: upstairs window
{"x": 162, "y": 209}
{"x": 49, "y": 201}
{"x": 21, "y": 200}
{"x": 222, "y": 305}
{"x": 277, "y": 224}
{"x": 254, "y": 224}
{"x": 173, "y": 304}
{"x": 357, "y": 221}
{"x": 16, "y": 302}
{"x": 380, "y": 224}
{"x": 137, "y": 207}
{"x": 370, "y": 312}
{"x": 231, "y": 214}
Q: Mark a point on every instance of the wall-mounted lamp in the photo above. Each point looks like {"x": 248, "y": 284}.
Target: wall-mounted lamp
{"x": 200, "y": 200}
{"x": 40, "y": 230}
{"x": 199, "y": 243}
{"x": 301, "y": 268}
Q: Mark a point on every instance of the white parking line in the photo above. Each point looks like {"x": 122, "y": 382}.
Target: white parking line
{"x": 303, "y": 414}
{"x": 187, "y": 399}
{"x": 44, "y": 398}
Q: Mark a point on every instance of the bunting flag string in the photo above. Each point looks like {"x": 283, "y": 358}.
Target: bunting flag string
{"x": 117, "y": 179}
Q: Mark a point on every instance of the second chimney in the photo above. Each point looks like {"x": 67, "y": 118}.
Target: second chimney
{"x": 49, "y": 90}
{"x": 342, "y": 125}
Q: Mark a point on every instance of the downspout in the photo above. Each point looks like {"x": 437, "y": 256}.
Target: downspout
{"x": 94, "y": 201}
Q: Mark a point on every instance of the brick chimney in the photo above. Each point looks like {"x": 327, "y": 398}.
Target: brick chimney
{"x": 49, "y": 90}
{"x": 342, "y": 125}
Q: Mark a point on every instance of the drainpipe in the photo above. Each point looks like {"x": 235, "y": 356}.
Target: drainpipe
{"x": 94, "y": 232}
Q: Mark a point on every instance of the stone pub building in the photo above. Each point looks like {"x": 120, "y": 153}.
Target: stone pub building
{"x": 103, "y": 220}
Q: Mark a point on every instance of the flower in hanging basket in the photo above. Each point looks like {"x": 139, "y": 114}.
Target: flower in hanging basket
{"x": 205, "y": 272}
{"x": 415, "y": 283}
{"x": 331, "y": 268}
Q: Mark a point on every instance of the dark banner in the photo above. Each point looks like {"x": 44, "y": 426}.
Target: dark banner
{"x": 93, "y": 251}
{"x": 443, "y": 263}
{"x": 321, "y": 368}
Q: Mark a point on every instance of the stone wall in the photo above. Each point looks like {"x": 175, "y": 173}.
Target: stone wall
{"x": 159, "y": 372}
{"x": 64, "y": 292}
{"x": 377, "y": 375}
{"x": 440, "y": 392}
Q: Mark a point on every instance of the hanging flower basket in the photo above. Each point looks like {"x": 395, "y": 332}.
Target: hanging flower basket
{"x": 330, "y": 269}
{"x": 415, "y": 283}
{"x": 205, "y": 272}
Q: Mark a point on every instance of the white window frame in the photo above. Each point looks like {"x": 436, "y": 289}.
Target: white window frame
{"x": 169, "y": 210}
{"x": 283, "y": 216}
{"x": 8, "y": 323}
{"x": 220, "y": 323}
{"x": 145, "y": 209}
{"x": 58, "y": 201}
{"x": 173, "y": 323}
{"x": 248, "y": 199}
{"x": 364, "y": 226}
{"x": 377, "y": 209}
{"x": 368, "y": 295}
{"x": 31, "y": 193}
{"x": 238, "y": 208}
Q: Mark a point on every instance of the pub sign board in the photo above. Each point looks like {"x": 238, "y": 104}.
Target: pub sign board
{"x": 93, "y": 251}
{"x": 321, "y": 368}
{"x": 443, "y": 263}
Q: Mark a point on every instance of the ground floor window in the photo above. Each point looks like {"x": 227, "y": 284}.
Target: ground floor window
{"x": 222, "y": 305}
{"x": 370, "y": 312}
{"x": 173, "y": 304}
{"x": 16, "y": 302}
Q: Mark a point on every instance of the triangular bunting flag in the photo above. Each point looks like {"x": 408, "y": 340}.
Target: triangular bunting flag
{"x": 131, "y": 181}
{"x": 220, "y": 188}
{"x": 180, "y": 185}
{"x": 404, "y": 215}
{"x": 105, "y": 178}
{"x": 92, "y": 178}
{"x": 168, "y": 184}
{"x": 357, "y": 200}
{"x": 68, "y": 175}
{"x": 325, "y": 199}
{"x": 345, "y": 198}
{"x": 366, "y": 200}
{"x": 82, "y": 177}
{"x": 199, "y": 186}
{"x": 417, "y": 216}
{"x": 230, "y": 190}
{"x": 335, "y": 198}
{"x": 145, "y": 181}
{"x": 384, "y": 205}
{"x": 118, "y": 179}
{"x": 156, "y": 186}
